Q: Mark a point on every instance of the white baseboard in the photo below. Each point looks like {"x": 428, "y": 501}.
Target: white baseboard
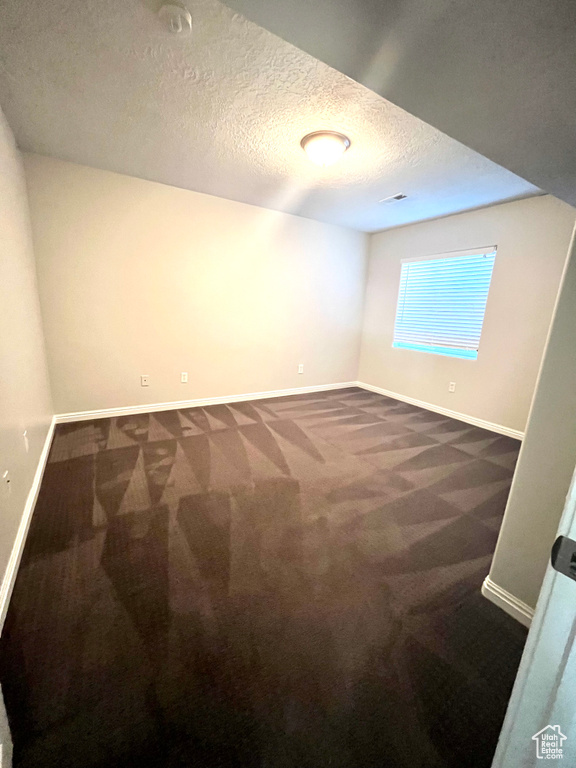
{"x": 505, "y": 600}
{"x": 128, "y": 410}
{"x": 15, "y": 556}
{"x": 445, "y": 412}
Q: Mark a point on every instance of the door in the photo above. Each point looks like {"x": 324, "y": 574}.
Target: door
{"x": 540, "y": 725}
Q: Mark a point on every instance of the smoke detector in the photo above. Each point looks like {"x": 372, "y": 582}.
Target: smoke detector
{"x": 176, "y": 18}
{"x": 393, "y": 198}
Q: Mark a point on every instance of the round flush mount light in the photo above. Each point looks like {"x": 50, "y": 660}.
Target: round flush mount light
{"x": 325, "y": 147}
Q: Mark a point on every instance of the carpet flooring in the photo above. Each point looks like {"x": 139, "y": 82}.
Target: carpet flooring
{"x": 283, "y": 583}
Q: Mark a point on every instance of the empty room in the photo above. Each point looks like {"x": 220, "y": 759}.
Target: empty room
{"x": 287, "y": 384}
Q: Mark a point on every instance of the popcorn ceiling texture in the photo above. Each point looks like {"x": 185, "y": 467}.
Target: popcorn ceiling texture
{"x": 222, "y": 111}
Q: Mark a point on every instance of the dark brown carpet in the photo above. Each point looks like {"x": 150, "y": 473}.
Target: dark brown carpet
{"x": 285, "y": 583}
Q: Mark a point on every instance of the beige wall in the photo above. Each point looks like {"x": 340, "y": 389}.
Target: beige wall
{"x": 532, "y": 238}
{"x": 546, "y": 462}
{"x": 24, "y": 391}
{"x": 140, "y": 278}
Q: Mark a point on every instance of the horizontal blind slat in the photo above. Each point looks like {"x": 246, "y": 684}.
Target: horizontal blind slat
{"x": 442, "y": 302}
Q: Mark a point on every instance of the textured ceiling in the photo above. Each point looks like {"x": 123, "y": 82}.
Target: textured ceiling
{"x": 223, "y": 111}
{"x": 498, "y": 75}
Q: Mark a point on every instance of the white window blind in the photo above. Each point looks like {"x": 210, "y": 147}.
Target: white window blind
{"x": 442, "y": 301}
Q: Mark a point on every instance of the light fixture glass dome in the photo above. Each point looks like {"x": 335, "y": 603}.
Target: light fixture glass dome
{"x": 325, "y": 147}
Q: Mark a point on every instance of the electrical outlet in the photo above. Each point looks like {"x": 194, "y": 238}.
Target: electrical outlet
{"x": 301, "y": 368}
{"x": 6, "y": 484}
{"x": 452, "y": 386}
{"x": 145, "y": 380}
{"x": 184, "y": 377}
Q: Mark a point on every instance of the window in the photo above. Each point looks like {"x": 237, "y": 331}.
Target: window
{"x": 442, "y": 301}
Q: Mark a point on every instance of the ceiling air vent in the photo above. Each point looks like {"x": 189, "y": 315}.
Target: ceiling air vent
{"x": 393, "y": 198}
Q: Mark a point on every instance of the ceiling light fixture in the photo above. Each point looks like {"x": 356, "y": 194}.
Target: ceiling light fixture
{"x": 325, "y": 147}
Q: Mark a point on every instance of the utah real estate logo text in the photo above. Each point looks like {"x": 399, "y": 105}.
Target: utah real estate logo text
{"x": 549, "y": 743}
